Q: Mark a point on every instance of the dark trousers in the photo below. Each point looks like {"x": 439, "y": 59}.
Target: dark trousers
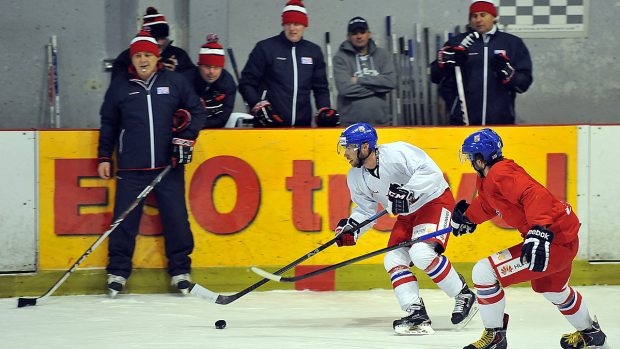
{"x": 170, "y": 195}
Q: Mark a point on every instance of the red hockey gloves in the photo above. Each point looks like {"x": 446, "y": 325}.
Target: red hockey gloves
{"x": 450, "y": 56}
{"x": 182, "y": 151}
{"x": 264, "y": 116}
{"x": 327, "y": 117}
{"x": 346, "y": 232}
{"x": 180, "y": 120}
{"x": 460, "y": 223}
{"x": 400, "y": 198}
{"x": 214, "y": 103}
{"x": 536, "y": 246}
{"x": 503, "y": 69}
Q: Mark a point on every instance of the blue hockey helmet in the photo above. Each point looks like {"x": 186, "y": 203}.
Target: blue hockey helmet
{"x": 485, "y": 142}
{"x": 358, "y": 134}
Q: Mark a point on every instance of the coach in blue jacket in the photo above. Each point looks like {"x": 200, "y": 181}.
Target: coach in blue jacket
{"x": 495, "y": 68}
{"x": 282, "y": 70}
{"x": 137, "y": 124}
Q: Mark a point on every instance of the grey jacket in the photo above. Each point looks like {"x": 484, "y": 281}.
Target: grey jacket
{"x": 367, "y": 100}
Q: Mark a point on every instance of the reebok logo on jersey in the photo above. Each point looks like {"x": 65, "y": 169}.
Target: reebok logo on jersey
{"x": 165, "y": 90}
{"x": 306, "y": 60}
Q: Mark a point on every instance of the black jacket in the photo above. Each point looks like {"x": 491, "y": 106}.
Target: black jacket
{"x": 136, "y": 119}
{"x": 495, "y": 103}
{"x": 224, "y": 84}
{"x": 123, "y": 61}
{"x": 288, "y": 72}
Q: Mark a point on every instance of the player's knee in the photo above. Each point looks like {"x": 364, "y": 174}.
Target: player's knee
{"x": 396, "y": 258}
{"x": 422, "y": 255}
{"x": 483, "y": 273}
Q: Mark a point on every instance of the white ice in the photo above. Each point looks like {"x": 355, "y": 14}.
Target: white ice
{"x": 281, "y": 320}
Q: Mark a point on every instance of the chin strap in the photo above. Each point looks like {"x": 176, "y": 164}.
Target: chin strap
{"x": 361, "y": 161}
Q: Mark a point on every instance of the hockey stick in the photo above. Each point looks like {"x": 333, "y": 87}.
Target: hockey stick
{"x": 466, "y": 42}
{"x": 22, "y": 301}
{"x": 213, "y": 297}
{"x": 50, "y": 80}
{"x": 330, "y": 68}
{"x": 56, "y": 92}
{"x": 407, "y": 243}
{"x": 233, "y": 63}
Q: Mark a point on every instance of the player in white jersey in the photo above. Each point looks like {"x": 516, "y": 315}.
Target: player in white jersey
{"x": 408, "y": 183}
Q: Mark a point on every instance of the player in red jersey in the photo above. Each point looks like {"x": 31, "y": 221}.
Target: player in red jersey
{"x": 549, "y": 228}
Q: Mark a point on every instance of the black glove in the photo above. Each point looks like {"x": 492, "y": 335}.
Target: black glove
{"x": 535, "y": 250}
{"x": 450, "y": 56}
{"x": 460, "y": 223}
{"x": 503, "y": 68}
{"x": 347, "y": 228}
{"x": 400, "y": 198}
{"x": 264, "y": 115}
{"x": 180, "y": 120}
{"x": 214, "y": 103}
{"x": 327, "y": 117}
{"x": 182, "y": 151}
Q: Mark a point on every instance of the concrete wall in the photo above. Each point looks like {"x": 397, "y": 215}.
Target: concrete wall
{"x": 575, "y": 80}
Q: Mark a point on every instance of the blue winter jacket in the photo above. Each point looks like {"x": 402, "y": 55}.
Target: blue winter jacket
{"x": 489, "y": 101}
{"x": 136, "y": 119}
{"x": 287, "y": 71}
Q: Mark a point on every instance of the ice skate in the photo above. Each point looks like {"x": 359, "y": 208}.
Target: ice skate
{"x": 182, "y": 282}
{"x": 465, "y": 306}
{"x": 416, "y": 323}
{"x": 590, "y": 338}
{"x": 492, "y": 338}
{"x": 115, "y": 284}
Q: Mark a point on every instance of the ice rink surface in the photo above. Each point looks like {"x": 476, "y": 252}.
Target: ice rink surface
{"x": 281, "y": 320}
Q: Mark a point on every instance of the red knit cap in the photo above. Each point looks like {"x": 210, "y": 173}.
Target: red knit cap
{"x": 295, "y": 12}
{"x": 483, "y": 6}
{"x": 143, "y": 42}
{"x": 212, "y": 52}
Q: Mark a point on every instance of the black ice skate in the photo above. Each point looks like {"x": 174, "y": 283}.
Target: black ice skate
{"x": 416, "y": 323}
{"x": 115, "y": 284}
{"x": 492, "y": 338}
{"x": 464, "y": 307}
{"x": 181, "y": 282}
{"x": 590, "y": 338}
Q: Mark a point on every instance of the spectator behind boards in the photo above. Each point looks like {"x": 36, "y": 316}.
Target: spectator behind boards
{"x": 495, "y": 69}
{"x": 280, "y": 73}
{"x": 174, "y": 58}
{"x": 138, "y": 124}
{"x": 213, "y": 84}
{"x": 364, "y": 75}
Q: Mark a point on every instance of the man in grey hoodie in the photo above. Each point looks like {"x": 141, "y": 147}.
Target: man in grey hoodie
{"x": 364, "y": 75}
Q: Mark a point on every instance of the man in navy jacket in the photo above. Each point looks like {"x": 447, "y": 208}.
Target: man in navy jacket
{"x": 137, "y": 124}
{"x": 495, "y": 68}
{"x": 282, "y": 71}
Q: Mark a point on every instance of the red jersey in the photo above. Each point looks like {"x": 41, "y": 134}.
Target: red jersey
{"x": 511, "y": 193}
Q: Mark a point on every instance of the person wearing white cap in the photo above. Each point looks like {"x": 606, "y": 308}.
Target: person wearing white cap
{"x": 495, "y": 68}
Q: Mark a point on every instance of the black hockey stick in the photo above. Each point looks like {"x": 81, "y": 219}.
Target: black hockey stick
{"x": 466, "y": 42}
{"x": 217, "y": 298}
{"x": 407, "y": 243}
{"x": 233, "y": 64}
{"x": 23, "y": 302}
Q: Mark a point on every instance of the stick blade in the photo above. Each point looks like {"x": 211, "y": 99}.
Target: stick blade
{"x": 203, "y": 292}
{"x": 24, "y": 302}
{"x": 266, "y": 275}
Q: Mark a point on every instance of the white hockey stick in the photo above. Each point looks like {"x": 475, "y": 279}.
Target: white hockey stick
{"x": 466, "y": 42}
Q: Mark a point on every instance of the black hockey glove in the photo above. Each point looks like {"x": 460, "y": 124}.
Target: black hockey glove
{"x": 346, "y": 232}
{"x": 503, "y": 68}
{"x": 214, "y": 103}
{"x": 460, "y": 223}
{"x": 535, "y": 250}
{"x": 327, "y": 117}
{"x": 400, "y": 198}
{"x": 450, "y": 56}
{"x": 264, "y": 116}
{"x": 182, "y": 151}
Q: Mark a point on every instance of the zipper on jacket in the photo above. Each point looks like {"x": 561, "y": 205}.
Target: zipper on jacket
{"x": 147, "y": 86}
{"x": 294, "y": 109}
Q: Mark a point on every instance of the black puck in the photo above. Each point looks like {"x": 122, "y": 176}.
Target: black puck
{"x": 220, "y": 324}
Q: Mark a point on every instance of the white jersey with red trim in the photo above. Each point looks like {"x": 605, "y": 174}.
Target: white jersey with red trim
{"x": 400, "y": 163}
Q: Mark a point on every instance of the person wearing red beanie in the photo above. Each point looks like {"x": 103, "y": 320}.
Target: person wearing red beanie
{"x": 495, "y": 68}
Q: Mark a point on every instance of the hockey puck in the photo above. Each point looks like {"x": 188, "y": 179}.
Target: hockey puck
{"x": 220, "y": 324}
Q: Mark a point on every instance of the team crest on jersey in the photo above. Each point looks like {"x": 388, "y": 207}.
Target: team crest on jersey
{"x": 306, "y": 60}
{"x": 164, "y": 90}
